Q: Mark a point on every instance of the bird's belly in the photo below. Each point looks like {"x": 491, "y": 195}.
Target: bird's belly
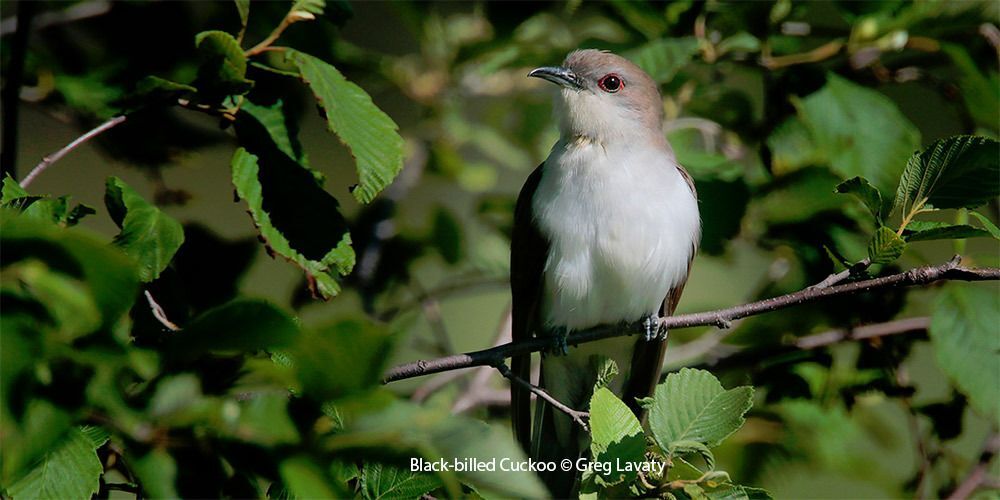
{"x": 616, "y": 261}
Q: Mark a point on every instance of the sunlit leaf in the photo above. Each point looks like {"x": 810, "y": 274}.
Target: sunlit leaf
{"x": 303, "y": 479}
{"x": 864, "y": 191}
{"x": 923, "y": 230}
{"x": 691, "y": 405}
{"x": 663, "y": 58}
{"x": 107, "y": 272}
{"x": 956, "y": 172}
{"x": 148, "y": 235}
{"x": 616, "y": 436}
{"x": 381, "y": 481}
{"x": 224, "y": 66}
{"x": 243, "y": 9}
{"x": 885, "y": 246}
{"x": 859, "y": 131}
{"x": 369, "y": 133}
{"x": 70, "y": 470}
{"x": 319, "y": 257}
{"x": 157, "y": 472}
{"x": 435, "y": 434}
{"x": 964, "y": 334}
{"x": 987, "y": 224}
{"x": 792, "y": 147}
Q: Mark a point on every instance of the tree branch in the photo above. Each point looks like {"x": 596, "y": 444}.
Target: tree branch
{"x": 721, "y": 318}
{"x": 980, "y": 472}
{"x": 54, "y": 157}
{"x": 580, "y": 417}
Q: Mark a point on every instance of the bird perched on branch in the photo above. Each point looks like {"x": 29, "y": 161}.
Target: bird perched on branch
{"x": 604, "y": 234}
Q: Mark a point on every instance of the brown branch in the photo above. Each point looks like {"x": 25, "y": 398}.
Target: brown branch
{"x": 54, "y": 157}
{"x": 721, "y": 318}
{"x": 580, "y": 417}
{"x": 979, "y": 474}
{"x": 159, "y": 314}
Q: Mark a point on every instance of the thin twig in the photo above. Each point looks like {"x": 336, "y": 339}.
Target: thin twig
{"x": 835, "y": 278}
{"x": 76, "y": 12}
{"x": 978, "y": 476}
{"x": 493, "y": 356}
{"x": 159, "y": 314}
{"x": 898, "y": 326}
{"x": 580, "y": 417}
{"x": 54, "y": 157}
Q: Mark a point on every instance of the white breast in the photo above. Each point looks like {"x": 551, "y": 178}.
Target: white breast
{"x": 621, "y": 224}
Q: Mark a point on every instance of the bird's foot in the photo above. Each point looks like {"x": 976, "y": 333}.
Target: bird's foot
{"x": 654, "y": 330}
{"x": 561, "y": 347}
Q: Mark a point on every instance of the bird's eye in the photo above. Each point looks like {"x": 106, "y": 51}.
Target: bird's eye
{"x": 610, "y": 83}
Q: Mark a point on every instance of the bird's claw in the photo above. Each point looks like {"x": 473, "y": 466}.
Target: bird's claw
{"x": 561, "y": 347}
{"x": 653, "y": 329}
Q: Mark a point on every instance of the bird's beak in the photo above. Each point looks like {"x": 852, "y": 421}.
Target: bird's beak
{"x": 563, "y": 77}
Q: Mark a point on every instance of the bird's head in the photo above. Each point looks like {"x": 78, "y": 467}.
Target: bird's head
{"x": 604, "y": 97}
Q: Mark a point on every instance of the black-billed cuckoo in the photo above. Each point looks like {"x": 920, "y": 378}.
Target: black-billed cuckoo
{"x": 604, "y": 233}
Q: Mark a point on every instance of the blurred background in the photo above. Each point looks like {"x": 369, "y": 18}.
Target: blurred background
{"x": 769, "y": 105}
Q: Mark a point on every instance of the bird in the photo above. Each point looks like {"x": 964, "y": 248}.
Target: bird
{"x": 605, "y": 231}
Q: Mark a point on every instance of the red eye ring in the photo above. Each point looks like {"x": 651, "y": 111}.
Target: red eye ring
{"x": 611, "y": 83}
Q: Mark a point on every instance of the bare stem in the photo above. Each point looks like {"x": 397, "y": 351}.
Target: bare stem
{"x": 494, "y": 356}
{"x": 159, "y": 314}
{"x": 54, "y": 157}
{"x": 580, "y": 417}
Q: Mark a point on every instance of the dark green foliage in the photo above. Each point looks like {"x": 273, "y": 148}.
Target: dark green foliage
{"x": 138, "y": 355}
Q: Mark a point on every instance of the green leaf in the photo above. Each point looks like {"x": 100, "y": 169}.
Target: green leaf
{"x": 864, "y": 191}
{"x": 106, "y": 271}
{"x": 988, "y": 225}
{"x": 957, "y": 172}
{"x": 70, "y": 470}
{"x": 157, "y": 472}
{"x": 963, "y": 332}
{"x": 792, "y": 147}
{"x": 243, "y": 9}
{"x": 243, "y": 325}
{"x": 281, "y": 130}
{"x": 616, "y": 436}
{"x": 885, "y": 246}
{"x": 369, "y": 133}
{"x": 691, "y": 405}
{"x": 45, "y": 208}
{"x": 663, "y": 58}
{"x": 859, "y": 131}
{"x": 435, "y": 434}
{"x": 924, "y": 230}
{"x": 321, "y": 247}
{"x": 155, "y": 90}
{"x": 68, "y": 300}
{"x": 314, "y": 7}
{"x": 380, "y": 481}
{"x": 264, "y": 420}
{"x": 739, "y": 493}
{"x": 148, "y": 235}
{"x": 342, "y": 359}
{"x": 684, "y": 447}
{"x": 224, "y": 66}
{"x": 304, "y": 479}
{"x": 605, "y": 368}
